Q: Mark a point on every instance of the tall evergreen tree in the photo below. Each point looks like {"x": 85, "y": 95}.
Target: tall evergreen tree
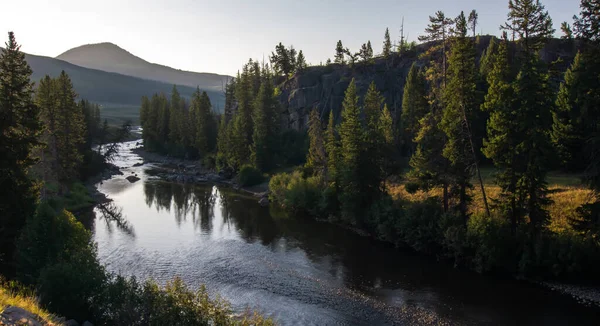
{"x": 528, "y": 20}
{"x": 263, "y": 134}
{"x": 20, "y": 127}
{"x": 351, "y": 145}
{"x": 387, "y": 44}
{"x": 438, "y": 30}
{"x": 45, "y": 99}
{"x": 301, "y": 62}
{"x": 587, "y": 25}
{"x": 316, "y": 159}
{"x": 175, "y": 117}
{"x": 414, "y": 106}
{"x": 204, "y": 121}
{"x": 486, "y": 62}
{"x": 333, "y": 151}
{"x": 70, "y": 130}
{"x": 473, "y": 17}
{"x": 577, "y": 111}
{"x": 388, "y": 150}
{"x": 339, "y": 53}
{"x": 502, "y": 127}
{"x": 461, "y": 103}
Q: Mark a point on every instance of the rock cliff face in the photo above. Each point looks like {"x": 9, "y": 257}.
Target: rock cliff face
{"x": 323, "y": 87}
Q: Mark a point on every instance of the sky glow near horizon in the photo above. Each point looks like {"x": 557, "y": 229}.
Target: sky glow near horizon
{"x": 221, "y": 35}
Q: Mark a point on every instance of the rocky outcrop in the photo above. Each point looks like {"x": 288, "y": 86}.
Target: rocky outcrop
{"x": 132, "y": 178}
{"x": 323, "y": 87}
{"x": 12, "y": 315}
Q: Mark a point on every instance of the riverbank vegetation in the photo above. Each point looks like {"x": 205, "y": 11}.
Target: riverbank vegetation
{"x": 420, "y": 176}
{"x": 457, "y": 114}
{"x": 51, "y": 144}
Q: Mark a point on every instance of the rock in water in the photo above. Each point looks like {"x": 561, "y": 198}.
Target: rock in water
{"x": 132, "y": 178}
{"x": 264, "y": 201}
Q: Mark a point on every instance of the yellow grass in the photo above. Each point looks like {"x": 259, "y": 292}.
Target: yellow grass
{"x": 29, "y": 303}
{"x": 565, "y": 199}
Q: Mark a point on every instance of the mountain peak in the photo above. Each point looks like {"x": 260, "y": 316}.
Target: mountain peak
{"x": 110, "y": 57}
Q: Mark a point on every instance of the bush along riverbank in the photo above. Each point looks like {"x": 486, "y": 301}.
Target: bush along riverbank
{"x": 485, "y": 244}
{"x": 174, "y": 169}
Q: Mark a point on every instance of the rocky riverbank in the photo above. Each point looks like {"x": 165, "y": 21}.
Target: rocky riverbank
{"x": 586, "y": 295}
{"x": 187, "y": 171}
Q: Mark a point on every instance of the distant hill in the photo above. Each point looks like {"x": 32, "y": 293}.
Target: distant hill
{"x": 119, "y": 95}
{"x": 112, "y": 58}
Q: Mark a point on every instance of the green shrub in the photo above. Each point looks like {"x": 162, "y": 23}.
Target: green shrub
{"x": 250, "y": 176}
{"x": 129, "y": 302}
{"x": 55, "y": 254}
{"x": 304, "y": 194}
{"x": 382, "y": 218}
{"x": 209, "y": 161}
{"x": 278, "y": 187}
{"x": 70, "y": 288}
{"x": 77, "y": 198}
{"x": 419, "y": 225}
{"x": 296, "y": 193}
{"x": 565, "y": 255}
{"x": 492, "y": 245}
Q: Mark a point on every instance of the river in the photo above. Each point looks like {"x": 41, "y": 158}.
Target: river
{"x": 299, "y": 271}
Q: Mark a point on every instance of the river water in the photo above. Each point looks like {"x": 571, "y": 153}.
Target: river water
{"x": 298, "y": 271}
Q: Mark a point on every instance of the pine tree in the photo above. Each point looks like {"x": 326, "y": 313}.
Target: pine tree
{"x": 460, "y": 100}
{"x": 438, "y": 30}
{"x": 223, "y": 143}
{"x": 145, "y": 112}
{"x": 587, "y": 25}
{"x": 486, "y": 62}
{"x": 262, "y": 136}
{"x": 528, "y": 20}
{"x": 388, "y": 150}
{"x": 300, "y": 62}
{"x": 387, "y": 44}
{"x": 316, "y": 159}
{"x": 45, "y": 99}
{"x": 351, "y": 146}
{"x": 577, "y": 111}
{"x": 332, "y": 147}
{"x": 204, "y": 122}
{"x": 175, "y": 117}
{"x": 473, "y": 16}
{"x": 429, "y": 168}
{"x": 567, "y": 31}
{"x": 578, "y": 108}
{"x": 20, "y": 130}
{"x": 242, "y": 125}
{"x": 70, "y": 129}
{"x": 414, "y": 106}
{"x": 372, "y": 165}
{"x": 339, "y": 53}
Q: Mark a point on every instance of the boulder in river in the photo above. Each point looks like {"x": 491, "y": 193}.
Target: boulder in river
{"x": 264, "y": 201}
{"x": 138, "y": 164}
{"x": 132, "y": 178}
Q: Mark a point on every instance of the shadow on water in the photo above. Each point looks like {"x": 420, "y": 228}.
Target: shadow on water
{"x": 354, "y": 267}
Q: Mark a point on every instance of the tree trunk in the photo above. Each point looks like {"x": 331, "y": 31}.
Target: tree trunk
{"x": 445, "y": 197}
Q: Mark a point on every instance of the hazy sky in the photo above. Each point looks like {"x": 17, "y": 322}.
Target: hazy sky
{"x": 220, "y": 35}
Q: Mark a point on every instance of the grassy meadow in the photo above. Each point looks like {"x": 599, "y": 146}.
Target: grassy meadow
{"x": 567, "y": 193}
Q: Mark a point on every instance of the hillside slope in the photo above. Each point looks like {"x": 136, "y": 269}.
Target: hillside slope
{"x": 119, "y": 95}
{"x": 323, "y": 87}
{"x": 112, "y": 58}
